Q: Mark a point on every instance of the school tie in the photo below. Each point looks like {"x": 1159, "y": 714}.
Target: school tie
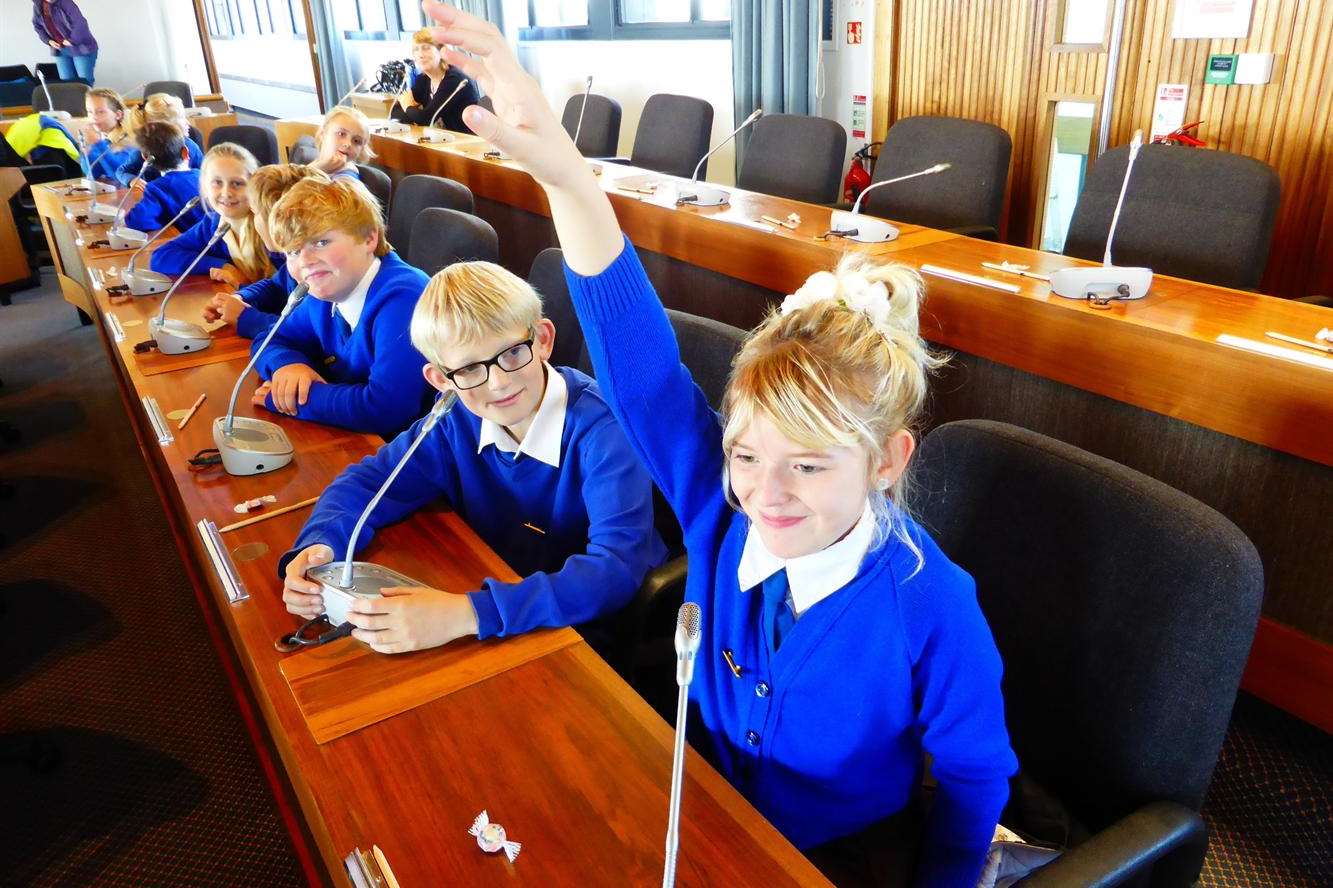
{"x": 340, "y": 324}
{"x": 778, "y": 616}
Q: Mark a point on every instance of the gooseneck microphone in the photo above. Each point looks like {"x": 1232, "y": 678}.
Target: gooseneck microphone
{"x": 342, "y": 583}
{"x": 50, "y": 104}
{"x": 97, "y": 214}
{"x": 754, "y": 115}
{"x": 144, "y": 283}
{"x": 578, "y": 128}
{"x": 246, "y": 445}
{"x": 928, "y": 171}
{"x": 705, "y": 196}
{"x": 868, "y": 229}
{"x": 441, "y": 136}
{"x": 688, "y": 636}
{"x": 176, "y": 337}
{"x": 118, "y": 236}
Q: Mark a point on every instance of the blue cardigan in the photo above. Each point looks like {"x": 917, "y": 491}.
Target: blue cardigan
{"x": 596, "y": 510}
{"x": 174, "y": 256}
{"x": 374, "y": 375}
{"x": 829, "y": 734}
{"x": 106, "y": 162}
{"x": 130, "y": 167}
{"x": 163, "y": 198}
{"x": 265, "y": 299}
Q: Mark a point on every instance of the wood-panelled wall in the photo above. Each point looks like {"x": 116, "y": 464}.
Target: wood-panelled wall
{"x": 995, "y": 60}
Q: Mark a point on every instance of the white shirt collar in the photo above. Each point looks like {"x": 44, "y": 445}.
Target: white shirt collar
{"x": 813, "y": 577}
{"x": 350, "y": 307}
{"x": 542, "y": 442}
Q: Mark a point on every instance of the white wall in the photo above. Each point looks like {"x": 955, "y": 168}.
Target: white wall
{"x": 849, "y": 70}
{"x": 138, "y": 40}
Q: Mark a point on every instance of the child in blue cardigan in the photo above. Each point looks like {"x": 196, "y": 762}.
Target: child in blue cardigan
{"x": 253, "y": 308}
{"x": 344, "y": 357}
{"x": 110, "y": 145}
{"x": 164, "y": 147}
{"x": 161, "y": 108}
{"x": 344, "y": 141}
{"x": 531, "y": 458}
{"x": 240, "y": 257}
{"x": 858, "y": 648}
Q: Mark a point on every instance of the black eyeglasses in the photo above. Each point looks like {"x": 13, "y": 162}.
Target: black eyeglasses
{"x": 516, "y": 357}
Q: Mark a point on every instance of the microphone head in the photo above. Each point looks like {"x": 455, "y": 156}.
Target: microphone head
{"x": 589, "y": 84}
{"x": 755, "y": 115}
{"x": 688, "y": 629}
{"x": 40, "y": 76}
{"x": 295, "y": 297}
{"x": 941, "y": 167}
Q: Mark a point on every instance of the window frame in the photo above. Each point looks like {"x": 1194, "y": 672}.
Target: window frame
{"x": 224, "y": 21}
{"x": 604, "y": 23}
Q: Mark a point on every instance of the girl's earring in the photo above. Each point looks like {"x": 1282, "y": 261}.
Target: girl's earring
{"x": 882, "y": 484}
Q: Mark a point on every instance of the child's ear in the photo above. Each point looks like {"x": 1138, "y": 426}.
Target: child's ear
{"x": 897, "y": 454}
{"x": 435, "y": 376}
{"x": 544, "y": 344}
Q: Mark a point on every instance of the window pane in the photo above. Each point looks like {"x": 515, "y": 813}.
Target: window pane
{"x": 718, "y": 10}
{"x": 372, "y": 15}
{"x": 298, "y": 16}
{"x": 633, "y": 12}
{"x": 248, "y": 22}
{"x": 560, "y": 13}
{"x": 1071, "y": 139}
{"x": 1085, "y": 21}
{"x": 410, "y": 14}
{"x": 345, "y": 17}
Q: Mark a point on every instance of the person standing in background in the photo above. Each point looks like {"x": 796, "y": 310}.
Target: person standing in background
{"x": 61, "y": 25}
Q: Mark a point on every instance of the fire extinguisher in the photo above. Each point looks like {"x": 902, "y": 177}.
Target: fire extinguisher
{"x": 860, "y": 172}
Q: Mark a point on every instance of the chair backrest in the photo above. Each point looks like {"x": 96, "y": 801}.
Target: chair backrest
{"x": 51, "y": 71}
{"x": 673, "y": 134}
{"x": 178, "y": 88}
{"x": 1189, "y": 212}
{"x": 600, "y": 135}
{"x": 15, "y": 72}
{"x": 441, "y": 237}
{"x": 794, "y": 156}
{"x": 487, "y": 103}
{"x": 260, "y": 142}
{"x": 707, "y": 349}
{"x": 1122, "y": 608}
{"x": 303, "y": 150}
{"x": 547, "y": 277}
{"x": 414, "y": 194}
{"x": 968, "y": 195}
{"x": 66, "y": 96}
{"x": 379, "y": 184}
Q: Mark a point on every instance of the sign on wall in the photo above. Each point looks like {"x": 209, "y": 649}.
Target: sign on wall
{"x": 1168, "y": 111}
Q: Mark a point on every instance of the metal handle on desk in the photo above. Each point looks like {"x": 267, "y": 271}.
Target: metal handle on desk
{"x": 113, "y": 323}
{"x": 158, "y": 421}
{"x": 221, "y": 561}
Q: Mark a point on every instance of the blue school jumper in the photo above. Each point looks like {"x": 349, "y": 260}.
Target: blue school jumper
{"x": 827, "y": 735}
{"x": 374, "y": 381}
{"x": 163, "y": 198}
{"x": 174, "y": 256}
{"x": 596, "y": 511}
{"x": 130, "y": 168}
{"x": 264, "y": 300}
{"x": 347, "y": 172}
{"x": 106, "y": 161}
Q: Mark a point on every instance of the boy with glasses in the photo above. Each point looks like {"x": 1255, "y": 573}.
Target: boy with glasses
{"x": 535, "y": 464}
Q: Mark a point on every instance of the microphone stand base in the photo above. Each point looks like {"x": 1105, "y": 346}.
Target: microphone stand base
{"x": 385, "y": 127}
{"x": 702, "y": 196}
{"x": 92, "y": 186}
{"x": 100, "y": 214}
{"x": 367, "y": 581}
{"x": 179, "y": 337}
{"x": 126, "y": 238}
{"x": 146, "y": 283}
{"x": 253, "y": 447}
{"x": 862, "y": 228}
{"x": 1101, "y": 283}
{"x": 434, "y": 136}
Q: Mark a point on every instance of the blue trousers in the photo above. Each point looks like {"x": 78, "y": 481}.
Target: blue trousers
{"x": 71, "y": 66}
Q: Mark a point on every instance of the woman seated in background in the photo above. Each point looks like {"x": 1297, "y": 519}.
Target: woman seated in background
{"x": 433, "y": 89}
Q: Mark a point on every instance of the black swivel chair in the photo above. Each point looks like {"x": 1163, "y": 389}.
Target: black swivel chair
{"x": 260, "y": 142}
{"x": 794, "y": 156}
{"x": 967, "y": 198}
{"x": 441, "y": 237}
{"x": 414, "y": 194}
{"x": 547, "y": 277}
{"x": 378, "y": 183}
{"x": 673, "y": 135}
{"x": 1123, "y": 611}
{"x": 178, "y": 88}
{"x": 67, "y": 96}
{"x": 16, "y": 85}
{"x": 304, "y": 150}
{"x": 600, "y": 134}
{"x": 1189, "y": 212}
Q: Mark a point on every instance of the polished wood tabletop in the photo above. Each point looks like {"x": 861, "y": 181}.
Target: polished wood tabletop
{"x": 1161, "y": 353}
{"x": 538, "y": 731}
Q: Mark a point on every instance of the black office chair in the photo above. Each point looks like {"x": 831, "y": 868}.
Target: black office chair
{"x": 600, "y": 134}
{"x": 1189, "y": 212}
{"x": 14, "y": 72}
{"x": 794, "y": 156}
{"x": 66, "y": 96}
{"x": 303, "y": 150}
{"x": 16, "y": 85}
{"x": 547, "y": 277}
{"x": 673, "y": 135}
{"x": 260, "y": 142}
{"x": 967, "y": 198}
{"x": 414, "y": 194}
{"x": 178, "y": 88}
{"x": 441, "y": 237}
{"x": 51, "y": 71}
{"x": 1123, "y": 611}
{"x": 378, "y": 183}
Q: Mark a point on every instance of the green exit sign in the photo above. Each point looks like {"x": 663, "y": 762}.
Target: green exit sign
{"x": 1221, "y": 69}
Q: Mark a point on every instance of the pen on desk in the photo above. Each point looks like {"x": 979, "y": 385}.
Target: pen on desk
{"x": 1317, "y": 346}
{"x": 264, "y": 516}
{"x": 186, "y": 417}
{"x": 1015, "y": 269}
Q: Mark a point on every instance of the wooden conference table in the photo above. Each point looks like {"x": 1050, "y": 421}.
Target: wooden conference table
{"x": 1182, "y": 385}
{"x": 403, "y": 752}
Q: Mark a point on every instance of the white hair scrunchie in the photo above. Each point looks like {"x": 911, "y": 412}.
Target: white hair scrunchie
{"x": 853, "y": 290}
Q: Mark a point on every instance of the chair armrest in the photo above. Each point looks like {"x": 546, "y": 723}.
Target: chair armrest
{"x": 1165, "y": 838}
{"x": 629, "y": 625}
{"x": 620, "y": 160}
{"x": 984, "y": 232}
{"x": 1326, "y": 301}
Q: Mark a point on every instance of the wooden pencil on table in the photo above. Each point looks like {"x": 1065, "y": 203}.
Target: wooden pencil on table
{"x": 264, "y": 516}
{"x": 186, "y": 418}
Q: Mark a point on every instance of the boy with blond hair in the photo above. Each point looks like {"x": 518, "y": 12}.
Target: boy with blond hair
{"x": 534, "y": 462}
{"x": 343, "y": 357}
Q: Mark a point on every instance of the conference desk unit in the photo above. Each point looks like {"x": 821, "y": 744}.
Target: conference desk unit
{"x": 404, "y": 751}
{"x": 1246, "y": 427}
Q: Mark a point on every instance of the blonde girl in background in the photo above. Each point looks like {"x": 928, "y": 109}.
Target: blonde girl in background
{"x": 109, "y": 143}
{"x": 159, "y": 108}
{"x": 343, "y": 141}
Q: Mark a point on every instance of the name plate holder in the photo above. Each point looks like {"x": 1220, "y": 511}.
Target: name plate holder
{"x": 113, "y": 324}
{"x": 158, "y": 421}
{"x": 220, "y": 558}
